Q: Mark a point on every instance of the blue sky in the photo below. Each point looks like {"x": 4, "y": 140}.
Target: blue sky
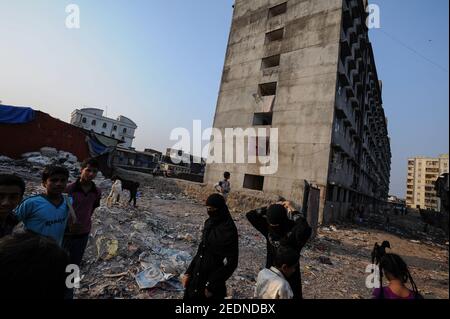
{"x": 159, "y": 62}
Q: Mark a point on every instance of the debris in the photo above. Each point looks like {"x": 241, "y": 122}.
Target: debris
{"x": 151, "y": 246}
{"x": 151, "y": 277}
{"x": 116, "y": 275}
{"x": 49, "y": 152}
{"x": 106, "y": 248}
{"x": 325, "y": 260}
{"x": 5, "y": 159}
{"x": 31, "y": 154}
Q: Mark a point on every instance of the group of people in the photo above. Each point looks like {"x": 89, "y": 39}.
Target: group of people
{"x": 57, "y": 224}
{"x": 56, "y": 227}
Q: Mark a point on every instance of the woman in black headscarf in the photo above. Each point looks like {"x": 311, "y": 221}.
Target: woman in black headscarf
{"x": 217, "y": 255}
{"x": 279, "y": 230}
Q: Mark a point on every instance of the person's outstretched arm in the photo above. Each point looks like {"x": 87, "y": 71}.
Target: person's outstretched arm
{"x": 258, "y": 219}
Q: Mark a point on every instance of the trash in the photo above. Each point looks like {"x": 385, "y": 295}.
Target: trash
{"x": 325, "y": 260}
{"x": 70, "y": 158}
{"x": 152, "y": 246}
{"x": 5, "y": 159}
{"x": 106, "y": 248}
{"x": 168, "y": 196}
{"x": 31, "y": 154}
{"x": 39, "y": 160}
{"x": 329, "y": 229}
{"x": 151, "y": 277}
{"x": 115, "y": 275}
{"x": 49, "y": 152}
{"x": 186, "y": 237}
{"x": 415, "y": 241}
{"x": 321, "y": 247}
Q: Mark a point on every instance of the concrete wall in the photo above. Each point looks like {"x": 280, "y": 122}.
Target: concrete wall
{"x": 304, "y": 106}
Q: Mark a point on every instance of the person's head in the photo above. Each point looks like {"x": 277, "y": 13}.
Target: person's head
{"x": 12, "y": 189}
{"x": 29, "y": 261}
{"x": 215, "y": 203}
{"x": 54, "y": 179}
{"x": 286, "y": 260}
{"x": 394, "y": 268}
{"x": 89, "y": 169}
{"x": 276, "y": 216}
{"x": 227, "y": 175}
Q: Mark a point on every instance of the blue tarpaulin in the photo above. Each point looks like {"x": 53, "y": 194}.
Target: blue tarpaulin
{"x": 96, "y": 147}
{"x": 16, "y": 115}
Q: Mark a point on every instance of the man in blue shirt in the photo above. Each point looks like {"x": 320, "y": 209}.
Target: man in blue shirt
{"x": 46, "y": 214}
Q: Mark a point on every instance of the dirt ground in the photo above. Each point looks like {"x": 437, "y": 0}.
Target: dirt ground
{"x": 177, "y": 221}
{"x": 333, "y": 264}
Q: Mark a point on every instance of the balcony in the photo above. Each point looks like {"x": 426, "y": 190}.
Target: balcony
{"x": 341, "y": 144}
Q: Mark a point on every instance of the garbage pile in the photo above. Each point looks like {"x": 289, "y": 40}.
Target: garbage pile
{"x": 136, "y": 253}
{"x": 33, "y": 162}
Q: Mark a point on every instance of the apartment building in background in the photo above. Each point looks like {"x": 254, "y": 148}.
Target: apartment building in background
{"x": 422, "y": 174}
{"x": 307, "y": 68}
{"x": 92, "y": 119}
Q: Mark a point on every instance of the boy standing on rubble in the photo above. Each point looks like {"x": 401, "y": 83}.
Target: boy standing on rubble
{"x": 86, "y": 198}
{"x": 46, "y": 214}
{"x": 224, "y": 186}
{"x": 12, "y": 189}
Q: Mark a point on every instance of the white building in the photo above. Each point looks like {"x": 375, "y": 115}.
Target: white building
{"x": 92, "y": 119}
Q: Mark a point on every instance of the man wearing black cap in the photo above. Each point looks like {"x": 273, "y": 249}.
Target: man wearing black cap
{"x": 279, "y": 230}
{"x": 217, "y": 255}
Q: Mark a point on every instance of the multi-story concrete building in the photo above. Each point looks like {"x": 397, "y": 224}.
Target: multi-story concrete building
{"x": 92, "y": 119}
{"x": 307, "y": 68}
{"x": 423, "y": 172}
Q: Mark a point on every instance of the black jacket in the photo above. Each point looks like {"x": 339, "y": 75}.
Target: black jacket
{"x": 216, "y": 258}
{"x": 293, "y": 234}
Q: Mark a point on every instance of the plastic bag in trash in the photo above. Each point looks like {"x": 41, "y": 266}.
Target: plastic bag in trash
{"x": 151, "y": 277}
{"x": 107, "y": 248}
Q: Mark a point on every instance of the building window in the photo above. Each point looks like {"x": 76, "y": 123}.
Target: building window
{"x": 330, "y": 191}
{"x": 271, "y": 62}
{"x": 278, "y": 10}
{"x": 113, "y": 136}
{"x": 104, "y": 125}
{"x": 254, "y": 182}
{"x": 262, "y": 119}
{"x": 123, "y": 138}
{"x": 94, "y": 122}
{"x": 268, "y": 89}
{"x": 84, "y": 120}
{"x": 103, "y": 133}
{"x": 115, "y": 128}
{"x": 276, "y": 35}
{"x": 124, "y": 130}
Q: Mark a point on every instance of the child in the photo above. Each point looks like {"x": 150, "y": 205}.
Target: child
{"x": 224, "y": 187}
{"x": 397, "y": 273}
{"x": 86, "y": 198}
{"x": 272, "y": 283}
{"x": 47, "y": 214}
{"x": 12, "y": 189}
